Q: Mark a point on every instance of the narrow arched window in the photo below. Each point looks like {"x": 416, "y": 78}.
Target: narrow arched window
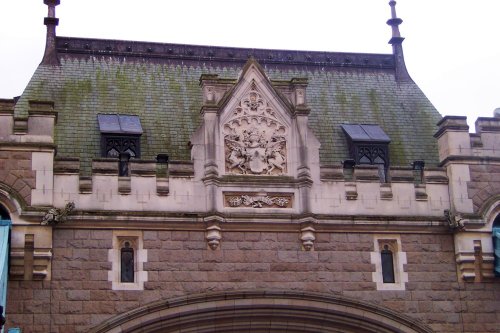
{"x": 387, "y": 265}
{"x": 127, "y": 263}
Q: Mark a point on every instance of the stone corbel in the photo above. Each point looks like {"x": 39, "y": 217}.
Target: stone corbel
{"x": 351, "y": 191}
{"x": 85, "y": 184}
{"x": 420, "y": 192}
{"x": 307, "y": 236}
{"x": 124, "y": 186}
{"x": 386, "y": 191}
{"x": 20, "y": 125}
{"x": 213, "y": 236}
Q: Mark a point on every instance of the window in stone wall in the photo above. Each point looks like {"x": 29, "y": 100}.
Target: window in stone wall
{"x": 127, "y": 258}
{"x": 389, "y": 261}
{"x": 127, "y": 267}
{"x": 496, "y": 244}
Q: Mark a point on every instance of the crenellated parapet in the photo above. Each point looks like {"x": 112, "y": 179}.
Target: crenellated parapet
{"x": 472, "y": 162}
{"x": 35, "y": 130}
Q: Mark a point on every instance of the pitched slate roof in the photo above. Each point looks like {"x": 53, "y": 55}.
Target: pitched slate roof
{"x": 160, "y": 84}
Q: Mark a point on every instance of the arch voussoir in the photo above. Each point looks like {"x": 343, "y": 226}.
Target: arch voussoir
{"x": 262, "y": 312}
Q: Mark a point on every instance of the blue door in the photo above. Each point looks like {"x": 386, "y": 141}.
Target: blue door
{"x": 4, "y": 261}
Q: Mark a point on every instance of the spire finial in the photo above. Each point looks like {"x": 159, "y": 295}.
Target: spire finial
{"x": 397, "y": 48}
{"x": 51, "y": 21}
{"x": 394, "y": 22}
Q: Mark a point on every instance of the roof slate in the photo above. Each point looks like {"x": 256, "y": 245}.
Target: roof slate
{"x": 165, "y": 94}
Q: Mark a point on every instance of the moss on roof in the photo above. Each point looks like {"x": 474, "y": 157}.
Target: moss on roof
{"x": 167, "y": 97}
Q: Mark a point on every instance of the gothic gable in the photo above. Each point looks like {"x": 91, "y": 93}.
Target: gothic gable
{"x": 255, "y": 126}
{"x": 255, "y": 140}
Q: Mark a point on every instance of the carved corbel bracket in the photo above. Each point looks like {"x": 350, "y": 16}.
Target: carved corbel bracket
{"x": 213, "y": 236}
{"x": 307, "y": 236}
{"x": 386, "y": 191}
{"x": 351, "y": 191}
{"x": 421, "y": 192}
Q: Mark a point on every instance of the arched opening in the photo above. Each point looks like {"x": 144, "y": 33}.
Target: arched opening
{"x": 261, "y": 311}
{"x": 4, "y": 214}
{"x": 5, "y": 225}
{"x": 496, "y": 244}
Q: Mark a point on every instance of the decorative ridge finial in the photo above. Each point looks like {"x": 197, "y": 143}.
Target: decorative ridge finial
{"x": 51, "y": 21}
{"x": 397, "y": 48}
{"x": 394, "y": 22}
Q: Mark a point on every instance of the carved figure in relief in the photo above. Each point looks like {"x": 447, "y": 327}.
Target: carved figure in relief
{"x": 274, "y": 155}
{"x": 237, "y": 158}
{"x": 255, "y": 139}
{"x": 57, "y": 215}
{"x": 258, "y": 201}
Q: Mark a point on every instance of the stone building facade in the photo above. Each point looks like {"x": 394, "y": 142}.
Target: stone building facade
{"x": 175, "y": 188}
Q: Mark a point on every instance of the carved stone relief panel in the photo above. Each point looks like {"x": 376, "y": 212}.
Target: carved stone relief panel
{"x": 254, "y": 139}
{"x": 258, "y": 200}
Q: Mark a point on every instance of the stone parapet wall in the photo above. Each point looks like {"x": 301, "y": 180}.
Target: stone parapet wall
{"x": 180, "y": 263}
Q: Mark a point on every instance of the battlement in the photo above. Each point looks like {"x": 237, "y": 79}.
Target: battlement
{"x": 457, "y": 144}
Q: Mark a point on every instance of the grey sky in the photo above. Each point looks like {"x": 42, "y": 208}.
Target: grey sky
{"x": 451, "y": 48}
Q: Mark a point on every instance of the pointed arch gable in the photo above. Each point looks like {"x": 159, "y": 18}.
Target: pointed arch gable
{"x": 257, "y": 126}
{"x": 253, "y": 75}
{"x": 269, "y": 311}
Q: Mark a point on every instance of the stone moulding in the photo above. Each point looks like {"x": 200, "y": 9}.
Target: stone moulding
{"x": 287, "y": 310}
{"x": 258, "y": 200}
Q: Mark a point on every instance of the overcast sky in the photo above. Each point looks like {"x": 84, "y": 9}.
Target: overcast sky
{"x": 452, "y": 47}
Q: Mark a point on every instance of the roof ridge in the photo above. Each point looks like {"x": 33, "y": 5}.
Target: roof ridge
{"x": 142, "y": 49}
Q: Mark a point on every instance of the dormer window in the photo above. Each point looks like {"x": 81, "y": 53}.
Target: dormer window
{"x": 368, "y": 145}
{"x": 120, "y": 134}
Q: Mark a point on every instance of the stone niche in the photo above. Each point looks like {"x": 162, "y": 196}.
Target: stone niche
{"x": 255, "y": 140}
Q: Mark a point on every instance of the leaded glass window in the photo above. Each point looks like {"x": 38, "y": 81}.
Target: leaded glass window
{"x": 120, "y": 134}
{"x": 127, "y": 263}
{"x": 387, "y": 265}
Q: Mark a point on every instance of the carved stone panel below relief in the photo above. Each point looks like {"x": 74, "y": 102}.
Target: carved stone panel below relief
{"x": 254, "y": 139}
{"x": 258, "y": 200}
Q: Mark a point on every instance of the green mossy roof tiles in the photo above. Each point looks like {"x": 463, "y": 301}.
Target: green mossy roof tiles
{"x": 167, "y": 97}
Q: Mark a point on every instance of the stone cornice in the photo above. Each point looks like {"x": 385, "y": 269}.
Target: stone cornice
{"x": 459, "y": 159}
{"x": 27, "y": 146}
{"x": 254, "y": 222}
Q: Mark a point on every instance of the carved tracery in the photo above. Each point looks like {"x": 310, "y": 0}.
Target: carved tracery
{"x": 254, "y": 139}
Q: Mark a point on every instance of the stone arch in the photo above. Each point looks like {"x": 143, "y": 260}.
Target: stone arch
{"x": 261, "y": 311}
{"x": 489, "y": 210}
{"x": 11, "y": 200}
